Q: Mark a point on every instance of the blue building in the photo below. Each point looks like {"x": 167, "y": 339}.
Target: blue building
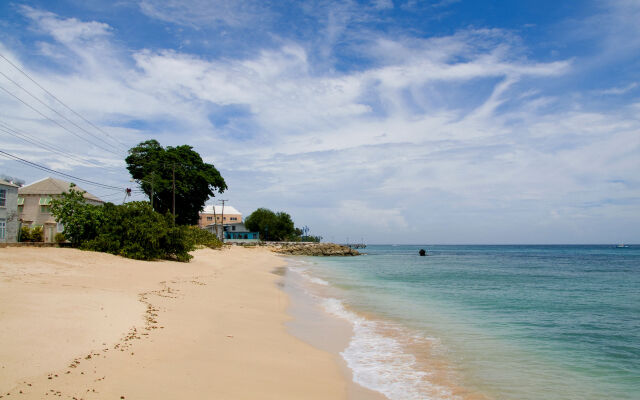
{"x": 242, "y": 236}
{"x": 239, "y": 233}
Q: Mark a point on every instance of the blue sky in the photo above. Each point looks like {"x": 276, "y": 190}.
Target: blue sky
{"x": 393, "y": 121}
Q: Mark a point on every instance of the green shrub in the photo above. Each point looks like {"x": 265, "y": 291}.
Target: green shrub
{"x": 25, "y": 234}
{"x": 37, "y": 235}
{"x": 59, "y": 238}
{"x": 202, "y": 237}
{"x": 134, "y": 230}
{"x": 131, "y": 230}
{"x": 81, "y": 221}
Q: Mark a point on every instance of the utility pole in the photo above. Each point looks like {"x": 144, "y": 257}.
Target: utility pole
{"x": 215, "y": 221}
{"x": 222, "y": 217}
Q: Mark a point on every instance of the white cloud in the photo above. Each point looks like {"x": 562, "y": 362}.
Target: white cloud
{"x": 66, "y": 30}
{"x": 375, "y": 147}
{"x": 383, "y": 4}
{"x": 197, "y": 13}
{"x": 361, "y": 214}
{"x": 619, "y": 90}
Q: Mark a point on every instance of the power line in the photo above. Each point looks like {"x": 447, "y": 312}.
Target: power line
{"x": 110, "y": 193}
{"x": 7, "y": 129}
{"x": 57, "y": 123}
{"x": 54, "y": 110}
{"x": 110, "y": 199}
{"x": 42, "y": 167}
{"x": 61, "y": 102}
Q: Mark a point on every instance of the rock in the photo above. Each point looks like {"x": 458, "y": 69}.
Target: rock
{"x": 312, "y": 249}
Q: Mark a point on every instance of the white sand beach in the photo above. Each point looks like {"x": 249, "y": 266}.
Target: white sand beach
{"x": 86, "y": 325}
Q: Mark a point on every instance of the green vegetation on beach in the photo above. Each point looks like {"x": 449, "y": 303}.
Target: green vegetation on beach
{"x": 131, "y": 230}
{"x": 147, "y": 230}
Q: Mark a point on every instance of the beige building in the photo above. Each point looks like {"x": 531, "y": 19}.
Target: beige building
{"x": 34, "y": 204}
{"x": 213, "y": 215}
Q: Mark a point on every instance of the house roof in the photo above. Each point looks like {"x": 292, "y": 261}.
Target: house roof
{"x": 208, "y": 209}
{"x": 5, "y": 183}
{"x": 53, "y": 186}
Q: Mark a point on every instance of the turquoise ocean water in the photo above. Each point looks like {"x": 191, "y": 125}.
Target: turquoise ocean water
{"x": 487, "y": 322}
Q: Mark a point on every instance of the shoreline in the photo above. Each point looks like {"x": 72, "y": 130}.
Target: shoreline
{"x": 77, "y": 324}
{"x": 382, "y": 357}
{"x": 312, "y": 324}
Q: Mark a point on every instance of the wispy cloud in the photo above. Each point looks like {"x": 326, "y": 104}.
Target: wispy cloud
{"x": 383, "y": 4}
{"x": 619, "y": 90}
{"x": 447, "y": 128}
{"x": 202, "y": 13}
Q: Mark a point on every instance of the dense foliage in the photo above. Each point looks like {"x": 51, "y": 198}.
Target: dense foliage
{"x": 81, "y": 221}
{"x": 131, "y": 230}
{"x": 59, "y": 237}
{"x": 277, "y": 227}
{"x": 154, "y": 166}
{"x": 270, "y": 225}
{"x": 34, "y": 234}
{"x": 25, "y": 234}
{"x": 202, "y": 237}
{"x": 134, "y": 230}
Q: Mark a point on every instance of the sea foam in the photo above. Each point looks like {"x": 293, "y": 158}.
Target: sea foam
{"x": 380, "y": 363}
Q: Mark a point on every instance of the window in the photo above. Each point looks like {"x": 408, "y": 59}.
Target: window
{"x": 20, "y": 208}
{"x": 60, "y": 227}
{"x": 209, "y": 218}
{"x": 45, "y": 204}
{"x": 233, "y": 228}
{"x": 3, "y": 229}
{"x": 3, "y": 197}
{"x": 234, "y": 218}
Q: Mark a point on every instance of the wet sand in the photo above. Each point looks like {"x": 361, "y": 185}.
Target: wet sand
{"x": 315, "y": 326}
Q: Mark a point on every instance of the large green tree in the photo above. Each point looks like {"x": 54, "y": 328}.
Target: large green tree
{"x": 272, "y": 226}
{"x": 154, "y": 167}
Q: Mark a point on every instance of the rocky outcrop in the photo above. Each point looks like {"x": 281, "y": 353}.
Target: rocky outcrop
{"x": 310, "y": 249}
{"x": 315, "y": 249}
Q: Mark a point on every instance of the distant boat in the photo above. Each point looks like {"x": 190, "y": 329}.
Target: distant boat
{"x": 622, "y": 246}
